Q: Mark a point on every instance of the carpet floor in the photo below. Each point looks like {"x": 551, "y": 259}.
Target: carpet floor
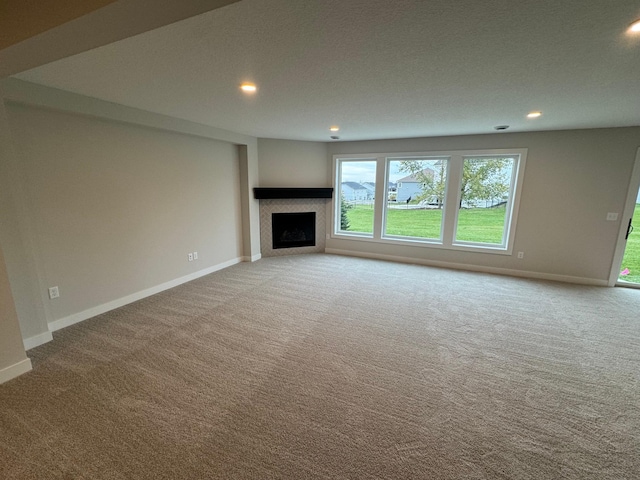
{"x": 328, "y": 367}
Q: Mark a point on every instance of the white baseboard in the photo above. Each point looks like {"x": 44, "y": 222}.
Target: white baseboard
{"x": 253, "y": 258}
{"x": 120, "y": 302}
{"x": 37, "y": 340}
{"x": 15, "y": 370}
{"x": 473, "y": 268}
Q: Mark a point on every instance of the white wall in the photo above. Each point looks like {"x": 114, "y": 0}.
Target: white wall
{"x": 113, "y": 208}
{"x": 572, "y": 179}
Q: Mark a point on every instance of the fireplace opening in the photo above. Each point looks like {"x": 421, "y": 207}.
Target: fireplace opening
{"x": 293, "y": 229}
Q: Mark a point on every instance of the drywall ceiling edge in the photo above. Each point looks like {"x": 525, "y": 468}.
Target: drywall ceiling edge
{"x": 119, "y": 20}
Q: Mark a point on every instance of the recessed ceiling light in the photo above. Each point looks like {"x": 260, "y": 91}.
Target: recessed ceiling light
{"x": 635, "y": 27}
{"x": 248, "y": 87}
{"x": 334, "y": 128}
{"x": 534, "y": 114}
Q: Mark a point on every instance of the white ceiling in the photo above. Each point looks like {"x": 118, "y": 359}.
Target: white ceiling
{"x": 377, "y": 68}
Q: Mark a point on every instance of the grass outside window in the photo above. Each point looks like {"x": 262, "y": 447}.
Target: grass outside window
{"x": 631, "y": 259}
{"x": 480, "y": 224}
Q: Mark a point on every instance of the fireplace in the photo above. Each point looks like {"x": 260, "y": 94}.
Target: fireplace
{"x": 291, "y": 230}
{"x": 305, "y": 207}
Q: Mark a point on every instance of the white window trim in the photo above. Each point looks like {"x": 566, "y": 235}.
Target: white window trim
{"x": 452, "y": 197}
{"x": 337, "y": 187}
{"x": 433, "y": 242}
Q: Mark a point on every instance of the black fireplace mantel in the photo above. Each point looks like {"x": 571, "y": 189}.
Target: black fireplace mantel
{"x": 278, "y": 193}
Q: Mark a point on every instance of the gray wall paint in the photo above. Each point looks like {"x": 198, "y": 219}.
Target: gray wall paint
{"x": 11, "y": 349}
{"x": 115, "y": 208}
{"x": 16, "y": 238}
{"x": 104, "y": 209}
{"x": 572, "y": 179}
{"x": 289, "y": 163}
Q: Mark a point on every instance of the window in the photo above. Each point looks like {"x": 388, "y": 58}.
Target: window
{"x": 355, "y": 205}
{"x": 485, "y": 190}
{"x": 457, "y": 200}
{"x": 417, "y": 209}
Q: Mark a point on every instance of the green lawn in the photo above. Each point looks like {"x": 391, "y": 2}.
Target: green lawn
{"x": 631, "y": 259}
{"x": 414, "y": 223}
{"x": 485, "y": 225}
{"x": 474, "y": 225}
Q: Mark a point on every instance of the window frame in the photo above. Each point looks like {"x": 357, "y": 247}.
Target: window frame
{"x": 509, "y": 208}
{"x": 337, "y": 188}
{"x": 430, "y": 241}
{"x": 452, "y": 197}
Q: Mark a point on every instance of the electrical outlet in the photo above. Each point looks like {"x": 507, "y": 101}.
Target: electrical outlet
{"x": 612, "y": 217}
{"x": 190, "y": 257}
{"x": 195, "y": 255}
{"x": 54, "y": 292}
{"x": 520, "y": 254}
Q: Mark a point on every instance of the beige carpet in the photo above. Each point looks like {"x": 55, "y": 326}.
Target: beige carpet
{"x": 319, "y": 366}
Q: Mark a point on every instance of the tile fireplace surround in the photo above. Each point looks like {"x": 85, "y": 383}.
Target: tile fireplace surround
{"x": 292, "y": 205}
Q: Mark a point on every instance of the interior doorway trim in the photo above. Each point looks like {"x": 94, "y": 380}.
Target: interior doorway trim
{"x": 629, "y": 206}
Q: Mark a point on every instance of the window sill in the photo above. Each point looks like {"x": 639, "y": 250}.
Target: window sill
{"x": 418, "y": 243}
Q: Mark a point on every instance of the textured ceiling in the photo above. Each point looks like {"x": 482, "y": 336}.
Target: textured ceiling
{"x": 379, "y": 69}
